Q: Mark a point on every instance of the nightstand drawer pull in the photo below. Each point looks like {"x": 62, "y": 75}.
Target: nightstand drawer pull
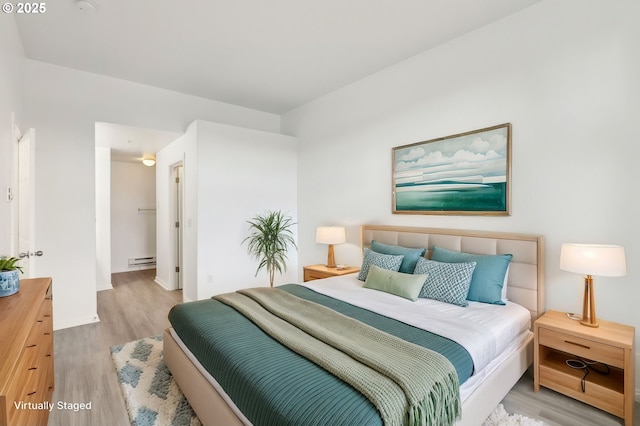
{"x": 582, "y": 347}
{"x": 577, "y": 344}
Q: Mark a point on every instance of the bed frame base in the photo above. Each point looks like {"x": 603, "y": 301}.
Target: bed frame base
{"x": 204, "y": 399}
{"x": 494, "y": 388}
{"x": 212, "y": 409}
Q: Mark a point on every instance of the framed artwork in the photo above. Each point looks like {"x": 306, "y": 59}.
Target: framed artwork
{"x": 464, "y": 174}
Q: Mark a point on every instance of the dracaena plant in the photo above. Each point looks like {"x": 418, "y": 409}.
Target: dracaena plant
{"x": 9, "y": 264}
{"x": 271, "y": 236}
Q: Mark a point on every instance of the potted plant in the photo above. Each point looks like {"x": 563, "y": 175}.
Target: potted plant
{"x": 9, "y": 280}
{"x": 269, "y": 241}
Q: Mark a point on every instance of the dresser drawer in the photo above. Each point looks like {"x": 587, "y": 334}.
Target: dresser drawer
{"x": 27, "y": 374}
{"x": 585, "y": 348}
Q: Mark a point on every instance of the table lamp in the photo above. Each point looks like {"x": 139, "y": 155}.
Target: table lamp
{"x": 330, "y": 235}
{"x": 592, "y": 259}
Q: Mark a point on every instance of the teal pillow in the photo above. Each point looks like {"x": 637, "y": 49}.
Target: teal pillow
{"x": 384, "y": 261}
{"x": 411, "y": 255}
{"x": 398, "y": 283}
{"x": 446, "y": 282}
{"x": 488, "y": 277}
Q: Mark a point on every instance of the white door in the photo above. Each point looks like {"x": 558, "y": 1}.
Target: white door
{"x": 26, "y": 205}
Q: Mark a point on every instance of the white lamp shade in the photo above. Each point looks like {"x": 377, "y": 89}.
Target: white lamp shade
{"x": 148, "y": 162}
{"x": 593, "y": 259}
{"x": 330, "y": 235}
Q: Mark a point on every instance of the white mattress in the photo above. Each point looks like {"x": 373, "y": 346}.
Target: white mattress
{"x": 484, "y": 330}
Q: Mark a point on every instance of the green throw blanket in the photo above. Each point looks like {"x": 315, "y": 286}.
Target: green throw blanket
{"x": 408, "y": 384}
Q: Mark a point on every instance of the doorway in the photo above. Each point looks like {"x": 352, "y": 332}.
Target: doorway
{"x": 143, "y": 221}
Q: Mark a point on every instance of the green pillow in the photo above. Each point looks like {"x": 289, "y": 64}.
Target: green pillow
{"x": 488, "y": 276}
{"x": 398, "y": 283}
{"x": 411, "y": 255}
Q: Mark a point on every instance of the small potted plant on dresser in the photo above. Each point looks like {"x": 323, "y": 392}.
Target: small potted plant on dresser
{"x": 9, "y": 280}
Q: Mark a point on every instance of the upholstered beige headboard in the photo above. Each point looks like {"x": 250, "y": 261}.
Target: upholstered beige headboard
{"x": 525, "y": 283}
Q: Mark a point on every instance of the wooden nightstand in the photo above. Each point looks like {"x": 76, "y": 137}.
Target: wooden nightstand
{"x": 558, "y": 339}
{"x": 315, "y": 272}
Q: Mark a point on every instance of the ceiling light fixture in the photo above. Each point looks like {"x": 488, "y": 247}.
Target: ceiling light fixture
{"x": 149, "y": 162}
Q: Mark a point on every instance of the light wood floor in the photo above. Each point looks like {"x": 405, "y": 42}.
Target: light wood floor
{"x": 555, "y": 409}
{"x": 137, "y": 308}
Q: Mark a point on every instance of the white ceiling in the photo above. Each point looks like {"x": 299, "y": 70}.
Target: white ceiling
{"x": 132, "y": 144}
{"x": 270, "y": 55}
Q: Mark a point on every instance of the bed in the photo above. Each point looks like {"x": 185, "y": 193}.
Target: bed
{"x": 495, "y": 370}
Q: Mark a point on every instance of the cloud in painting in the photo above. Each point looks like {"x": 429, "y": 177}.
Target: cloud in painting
{"x": 459, "y": 152}
{"x": 437, "y": 158}
{"x": 412, "y": 155}
{"x": 468, "y": 156}
{"x": 479, "y": 145}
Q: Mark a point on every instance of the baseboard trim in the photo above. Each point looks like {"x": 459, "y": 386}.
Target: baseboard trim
{"x": 162, "y": 284}
{"x": 107, "y": 286}
{"x": 74, "y": 322}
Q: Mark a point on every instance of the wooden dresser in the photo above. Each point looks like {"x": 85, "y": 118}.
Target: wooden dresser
{"x": 26, "y": 354}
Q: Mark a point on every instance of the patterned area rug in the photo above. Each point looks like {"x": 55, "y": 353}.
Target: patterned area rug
{"x": 154, "y": 399}
{"x": 500, "y": 417}
{"x": 151, "y": 395}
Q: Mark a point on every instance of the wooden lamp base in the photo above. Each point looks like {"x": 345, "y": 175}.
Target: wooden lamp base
{"x": 589, "y": 304}
{"x": 331, "y": 260}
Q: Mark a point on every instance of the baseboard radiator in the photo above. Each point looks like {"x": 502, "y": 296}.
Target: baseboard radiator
{"x": 142, "y": 262}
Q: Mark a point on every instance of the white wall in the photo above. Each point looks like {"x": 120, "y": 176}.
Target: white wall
{"x": 11, "y": 85}
{"x": 63, "y": 106}
{"x": 133, "y": 231}
{"x": 103, "y": 218}
{"x": 564, "y": 73}
{"x": 230, "y": 175}
{"x": 241, "y": 173}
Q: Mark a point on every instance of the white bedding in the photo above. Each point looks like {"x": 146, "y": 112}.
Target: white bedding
{"x": 484, "y": 330}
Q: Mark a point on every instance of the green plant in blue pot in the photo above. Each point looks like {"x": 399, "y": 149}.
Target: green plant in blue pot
{"x": 9, "y": 280}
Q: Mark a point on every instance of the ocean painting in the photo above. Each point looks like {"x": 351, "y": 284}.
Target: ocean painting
{"x": 462, "y": 174}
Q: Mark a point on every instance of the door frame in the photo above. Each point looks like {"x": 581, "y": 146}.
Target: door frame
{"x": 176, "y": 207}
{"x": 15, "y": 212}
{"x": 27, "y": 262}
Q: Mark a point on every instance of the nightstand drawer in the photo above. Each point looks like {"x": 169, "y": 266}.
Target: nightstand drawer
{"x": 318, "y": 272}
{"x": 314, "y": 275}
{"x": 585, "y": 348}
{"x": 603, "y": 391}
